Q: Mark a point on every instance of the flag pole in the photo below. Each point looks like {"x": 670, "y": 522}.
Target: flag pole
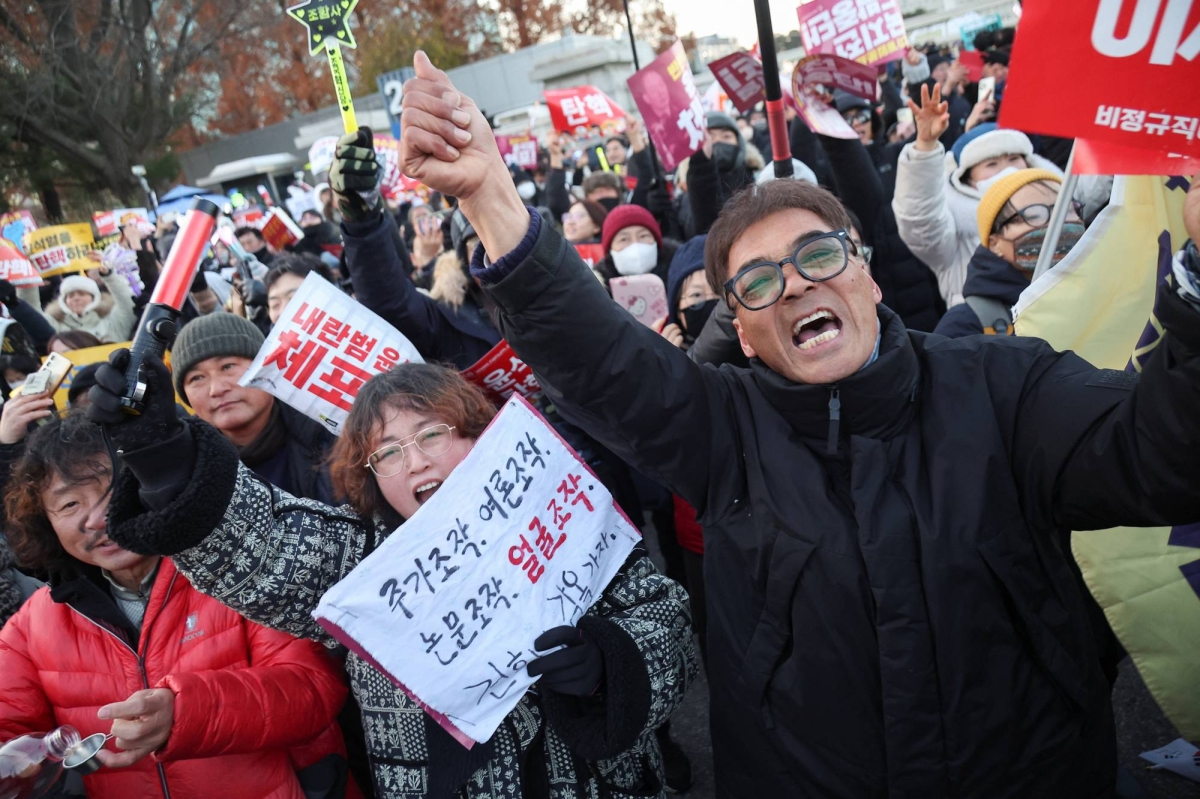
{"x": 637, "y": 67}
{"x": 781, "y": 149}
{"x": 1057, "y": 217}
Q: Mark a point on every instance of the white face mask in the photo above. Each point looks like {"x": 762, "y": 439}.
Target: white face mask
{"x": 987, "y": 183}
{"x": 636, "y": 259}
{"x": 526, "y": 190}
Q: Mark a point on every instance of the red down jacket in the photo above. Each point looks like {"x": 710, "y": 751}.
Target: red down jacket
{"x": 251, "y": 704}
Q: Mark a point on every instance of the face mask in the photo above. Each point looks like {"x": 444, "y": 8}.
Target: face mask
{"x": 987, "y": 183}
{"x": 636, "y": 259}
{"x": 527, "y": 190}
{"x": 725, "y": 156}
{"x": 1027, "y": 248}
{"x": 696, "y": 317}
{"x": 609, "y": 203}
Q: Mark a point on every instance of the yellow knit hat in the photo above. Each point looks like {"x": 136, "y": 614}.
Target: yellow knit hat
{"x": 1002, "y": 191}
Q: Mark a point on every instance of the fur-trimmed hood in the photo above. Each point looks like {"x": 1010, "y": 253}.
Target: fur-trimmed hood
{"x": 92, "y": 315}
{"x": 449, "y": 280}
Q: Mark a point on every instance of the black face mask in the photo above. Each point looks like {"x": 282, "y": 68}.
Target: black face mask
{"x": 609, "y": 203}
{"x": 696, "y": 317}
{"x": 725, "y": 156}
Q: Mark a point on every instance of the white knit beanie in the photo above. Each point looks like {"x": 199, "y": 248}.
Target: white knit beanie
{"x": 78, "y": 283}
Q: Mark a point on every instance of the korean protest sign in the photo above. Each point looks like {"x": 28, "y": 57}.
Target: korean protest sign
{"x": 665, "y": 93}
{"x": 741, "y": 76}
{"x": 15, "y": 267}
{"x": 519, "y": 150}
{"x": 59, "y": 249}
{"x": 867, "y": 31}
{"x": 580, "y": 107}
{"x": 1148, "y": 100}
{"x": 279, "y": 230}
{"x": 322, "y": 350}
{"x": 320, "y": 154}
{"x": 520, "y": 539}
{"x": 16, "y": 227}
{"x": 501, "y": 373}
{"x": 812, "y": 80}
{"x": 327, "y": 24}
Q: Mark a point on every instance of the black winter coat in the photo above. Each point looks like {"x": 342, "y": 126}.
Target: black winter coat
{"x": 988, "y": 275}
{"x": 308, "y": 446}
{"x": 891, "y": 607}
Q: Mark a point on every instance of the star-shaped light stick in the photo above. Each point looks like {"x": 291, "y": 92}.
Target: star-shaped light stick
{"x": 329, "y": 30}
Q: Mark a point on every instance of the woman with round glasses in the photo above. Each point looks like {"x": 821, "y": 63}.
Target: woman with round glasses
{"x": 584, "y": 730}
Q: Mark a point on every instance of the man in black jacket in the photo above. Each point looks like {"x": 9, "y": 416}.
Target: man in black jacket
{"x": 891, "y": 608}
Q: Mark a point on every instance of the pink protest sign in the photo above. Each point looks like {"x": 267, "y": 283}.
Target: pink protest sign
{"x": 519, "y": 150}
{"x": 814, "y": 79}
{"x": 665, "y": 93}
{"x": 741, "y": 76}
{"x": 867, "y": 31}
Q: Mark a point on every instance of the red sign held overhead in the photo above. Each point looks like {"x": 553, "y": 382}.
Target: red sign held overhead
{"x": 867, "y": 31}
{"x": 741, "y": 76}
{"x": 1149, "y": 96}
{"x": 580, "y": 108}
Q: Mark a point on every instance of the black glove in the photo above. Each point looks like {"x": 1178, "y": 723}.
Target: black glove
{"x": 253, "y": 293}
{"x": 8, "y": 293}
{"x": 354, "y": 176}
{"x": 658, "y": 202}
{"x": 158, "y": 421}
{"x": 577, "y": 670}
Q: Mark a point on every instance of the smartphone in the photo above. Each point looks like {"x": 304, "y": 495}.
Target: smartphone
{"x": 987, "y": 88}
{"x": 904, "y": 115}
{"x": 47, "y": 379}
{"x": 644, "y": 296}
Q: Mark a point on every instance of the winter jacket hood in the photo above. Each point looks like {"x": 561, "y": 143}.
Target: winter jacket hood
{"x": 988, "y": 275}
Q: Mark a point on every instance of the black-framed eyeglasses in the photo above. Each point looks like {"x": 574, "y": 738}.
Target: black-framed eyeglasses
{"x": 1037, "y": 215}
{"x": 818, "y": 259}
{"x": 389, "y": 459}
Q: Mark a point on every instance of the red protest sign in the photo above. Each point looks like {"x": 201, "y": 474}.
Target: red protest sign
{"x": 1147, "y": 98}
{"x": 591, "y": 254}
{"x": 1102, "y": 158}
{"x": 280, "y": 231}
{"x": 973, "y": 61}
{"x": 105, "y": 223}
{"x": 582, "y": 107}
{"x": 866, "y": 31}
{"x": 665, "y": 93}
{"x": 519, "y": 150}
{"x": 250, "y": 216}
{"x": 741, "y": 76}
{"x": 812, "y": 81}
{"x": 500, "y": 373}
{"x": 15, "y": 267}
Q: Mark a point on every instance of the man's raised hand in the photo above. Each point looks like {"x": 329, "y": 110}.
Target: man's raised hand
{"x": 932, "y": 118}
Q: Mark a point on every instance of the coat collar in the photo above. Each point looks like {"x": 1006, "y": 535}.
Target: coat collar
{"x": 876, "y": 402}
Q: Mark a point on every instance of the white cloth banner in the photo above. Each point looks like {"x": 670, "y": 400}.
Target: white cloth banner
{"x": 322, "y": 350}
{"x": 520, "y": 539}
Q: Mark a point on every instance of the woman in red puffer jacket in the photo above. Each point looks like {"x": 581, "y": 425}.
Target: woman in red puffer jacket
{"x": 203, "y": 702}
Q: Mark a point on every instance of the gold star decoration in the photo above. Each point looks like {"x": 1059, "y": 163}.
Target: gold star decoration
{"x": 327, "y": 22}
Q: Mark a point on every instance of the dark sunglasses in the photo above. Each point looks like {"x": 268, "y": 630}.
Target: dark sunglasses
{"x": 818, "y": 259}
{"x": 855, "y": 117}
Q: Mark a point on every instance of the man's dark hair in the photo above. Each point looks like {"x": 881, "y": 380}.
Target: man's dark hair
{"x": 71, "y": 448}
{"x": 756, "y": 203}
{"x": 298, "y": 264}
{"x": 601, "y": 180}
{"x": 251, "y": 230}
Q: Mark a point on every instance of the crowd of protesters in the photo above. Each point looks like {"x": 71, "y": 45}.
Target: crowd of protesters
{"x": 861, "y": 481}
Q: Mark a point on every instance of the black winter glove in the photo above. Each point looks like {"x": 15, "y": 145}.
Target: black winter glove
{"x": 354, "y": 176}
{"x": 158, "y": 421}
{"x": 8, "y": 293}
{"x": 577, "y": 670}
{"x": 253, "y": 293}
{"x": 658, "y": 202}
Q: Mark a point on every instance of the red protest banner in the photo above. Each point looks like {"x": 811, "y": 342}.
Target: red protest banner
{"x": 591, "y": 254}
{"x": 867, "y": 31}
{"x": 741, "y": 76}
{"x": 1102, "y": 158}
{"x": 500, "y": 373}
{"x": 1147, "y": 99}
{"x": 280, "y": 231}
{"x": 973, "y": 61}
{"x": 15, "y": 267}
{"x": 580, "y": 108}
{"x": 812, "y": 82}
{"x": 519, "y": 150}
{"x": 665, "y": 93}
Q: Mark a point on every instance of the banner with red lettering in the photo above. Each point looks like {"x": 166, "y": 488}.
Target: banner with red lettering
{"x": 280, "y": 231}
{"x": 322, "y": 350}
{"x": 741, "y": 76}
{"x": 1137, "y": 73}
{"x": 501, "y": 373}
{"x": 813, "y": 82}
{"x": 519, "y": 150}
{"x": 15, "y": 267}
{"x": 577, "y": 109}
{"x": 867, "y": 31}
{"x": 665, "y": 93}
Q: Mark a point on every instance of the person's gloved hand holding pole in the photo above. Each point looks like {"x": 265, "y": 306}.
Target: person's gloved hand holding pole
{"x": 354, "y": 176}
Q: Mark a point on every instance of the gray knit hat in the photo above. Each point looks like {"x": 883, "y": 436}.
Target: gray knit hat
{"x": 212, "y": 336}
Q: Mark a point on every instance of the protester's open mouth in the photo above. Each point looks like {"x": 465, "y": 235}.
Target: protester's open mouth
{"x": 423, "y": 492}
{"x": 819, "y": 327}
{"x": 103, "y": 545}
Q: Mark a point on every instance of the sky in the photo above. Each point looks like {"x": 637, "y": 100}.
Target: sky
{"x": 730, "y": 17}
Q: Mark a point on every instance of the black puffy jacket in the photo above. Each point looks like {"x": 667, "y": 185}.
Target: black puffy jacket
{"x": 891, "y": 606}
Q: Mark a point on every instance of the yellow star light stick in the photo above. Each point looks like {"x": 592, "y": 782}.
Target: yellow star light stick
{"x": 328, "y": 27}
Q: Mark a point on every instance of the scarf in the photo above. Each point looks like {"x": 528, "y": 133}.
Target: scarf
{"x": 272, "y": 439}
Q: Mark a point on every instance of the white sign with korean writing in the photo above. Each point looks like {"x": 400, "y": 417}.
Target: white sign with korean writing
{"x": 520, "y": 539}
{"x": 322, "y": 350}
